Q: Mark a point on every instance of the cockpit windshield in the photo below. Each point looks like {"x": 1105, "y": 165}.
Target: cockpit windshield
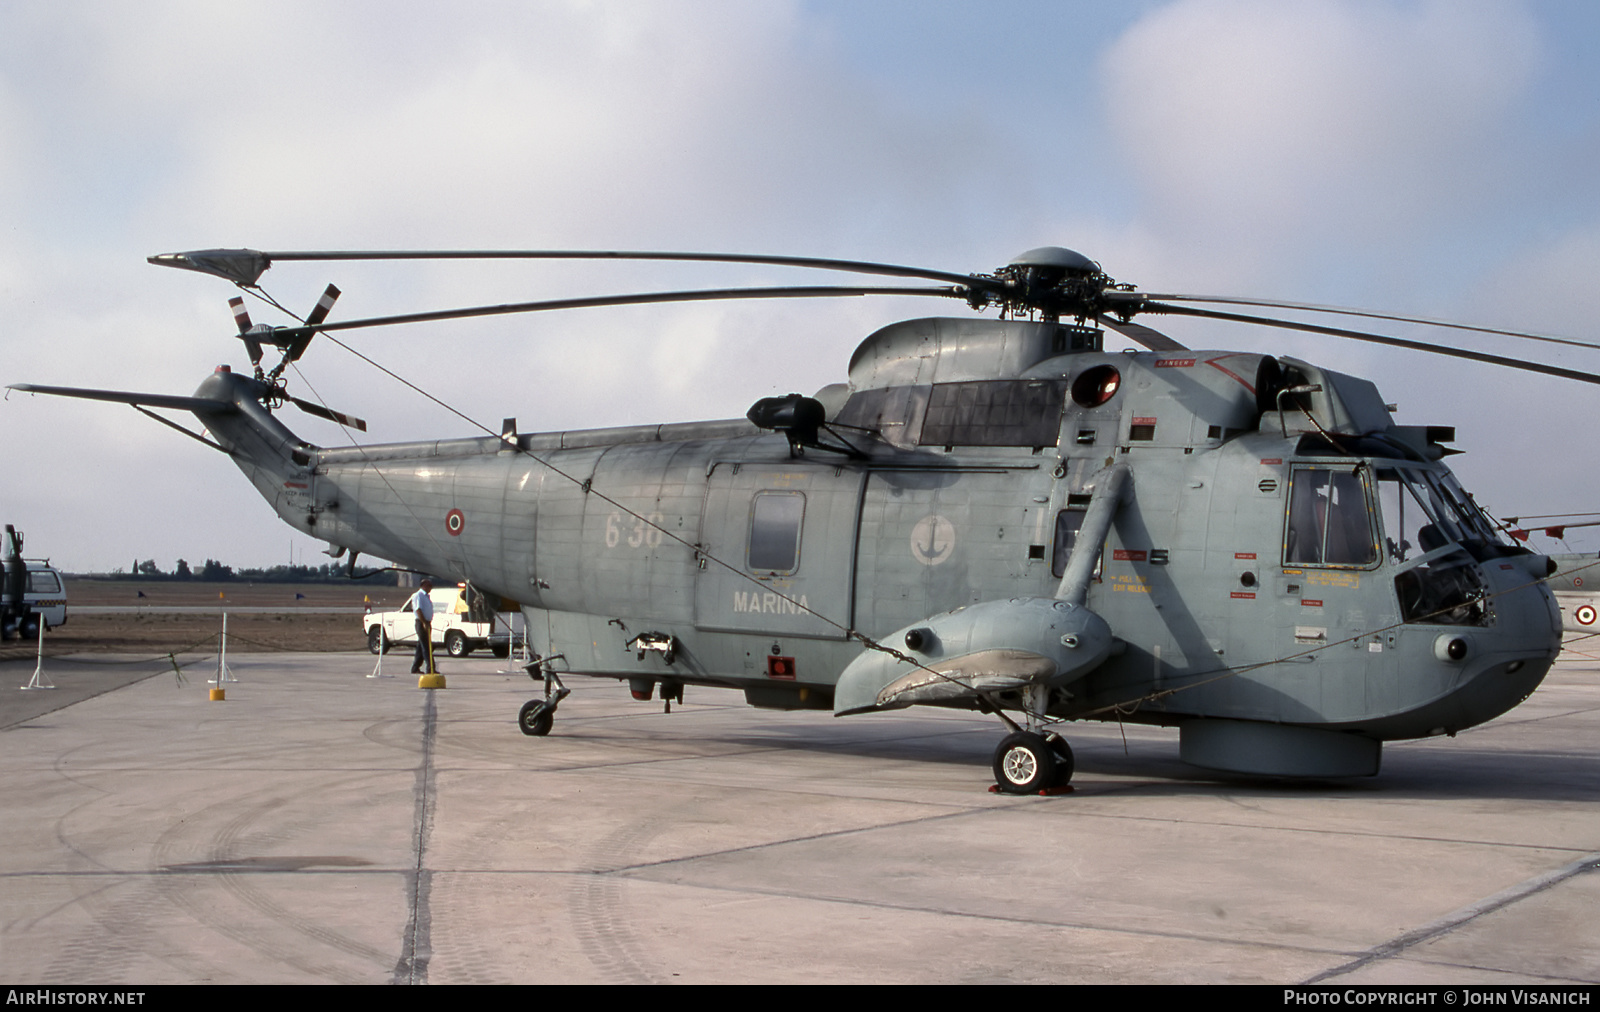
{"x": 1424, "y": 510}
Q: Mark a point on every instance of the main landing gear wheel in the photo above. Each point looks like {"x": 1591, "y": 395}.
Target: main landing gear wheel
{"x": 536, "y": 718}
{"x": 1024, "y": 763}
{"x": 1065, "y": 763}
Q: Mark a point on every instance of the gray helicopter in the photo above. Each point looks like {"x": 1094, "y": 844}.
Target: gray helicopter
{"x": 990, "y": 514}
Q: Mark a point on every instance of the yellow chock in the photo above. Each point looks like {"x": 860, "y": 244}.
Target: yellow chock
{"x": 218, "y": 694}
{"x": 430, "y": 682}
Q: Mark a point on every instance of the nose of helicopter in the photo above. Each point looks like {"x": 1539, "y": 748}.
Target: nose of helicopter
{"x": 1497, "y": 665}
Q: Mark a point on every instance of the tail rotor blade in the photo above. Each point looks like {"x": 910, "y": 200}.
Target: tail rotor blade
{"x": 241, "y": 315}
{"x": 313, "y": 408}
{"x": 320, "y": 311}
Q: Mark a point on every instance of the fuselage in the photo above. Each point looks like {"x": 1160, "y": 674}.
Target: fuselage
{"x": 1301, "y": 562}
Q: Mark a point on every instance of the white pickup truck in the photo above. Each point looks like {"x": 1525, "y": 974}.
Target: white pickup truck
{"x": 453, "y": 628}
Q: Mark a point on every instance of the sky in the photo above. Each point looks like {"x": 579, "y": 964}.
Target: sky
{"x": 1426, "y": 158}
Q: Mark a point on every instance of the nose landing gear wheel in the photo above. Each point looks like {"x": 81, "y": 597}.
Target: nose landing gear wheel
{"x": 536, "y": 718}
{"x": 1024, "y": 763}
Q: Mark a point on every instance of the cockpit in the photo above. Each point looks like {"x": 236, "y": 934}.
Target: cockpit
{"x": 1372, "y": 515}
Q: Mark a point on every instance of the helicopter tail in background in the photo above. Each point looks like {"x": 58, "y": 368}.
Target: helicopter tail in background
{"x": 1576, "y": 585}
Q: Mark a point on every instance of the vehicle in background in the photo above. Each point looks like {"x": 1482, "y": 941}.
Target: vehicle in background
{"x": 454, "y": 626}
{"x": 31, "y": 592}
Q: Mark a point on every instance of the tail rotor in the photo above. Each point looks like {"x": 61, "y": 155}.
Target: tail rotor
{"x": 292, "y": 342}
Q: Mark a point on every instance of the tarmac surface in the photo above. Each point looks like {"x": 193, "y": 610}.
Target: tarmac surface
{"x": 321, "y": 826}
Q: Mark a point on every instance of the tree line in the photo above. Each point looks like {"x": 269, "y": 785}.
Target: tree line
{"x": 214, "y": 571}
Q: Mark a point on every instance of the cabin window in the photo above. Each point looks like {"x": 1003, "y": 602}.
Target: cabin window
{"x": 994, "y": 413}
{"x": 775, "y": 531}
{"x": 1329, "y": 522}
{"x": 1068, "y": 522}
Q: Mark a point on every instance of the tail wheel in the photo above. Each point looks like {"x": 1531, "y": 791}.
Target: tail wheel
{"x": 1024, "y": 763}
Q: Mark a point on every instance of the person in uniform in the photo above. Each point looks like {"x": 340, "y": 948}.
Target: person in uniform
{"x": 422, "y": 611}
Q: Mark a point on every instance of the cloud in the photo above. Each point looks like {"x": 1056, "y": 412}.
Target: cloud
{"x": 698, "y": 125}
{"x": 1264, "y": 128}
{"x": 1317, "y": 151}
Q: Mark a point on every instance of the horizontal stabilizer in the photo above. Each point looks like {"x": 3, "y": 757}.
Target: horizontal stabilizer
{"x": 130, "y": 397}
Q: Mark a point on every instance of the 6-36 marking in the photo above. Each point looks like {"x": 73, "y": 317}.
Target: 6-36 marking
{"x": 637, "y": 531}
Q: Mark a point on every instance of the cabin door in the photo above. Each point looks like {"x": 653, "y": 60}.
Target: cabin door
{"x": 931, "y": 541}
{"x": 778, "y": 549}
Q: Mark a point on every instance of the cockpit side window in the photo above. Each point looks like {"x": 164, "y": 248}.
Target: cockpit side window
{"x": 1329, "y": 521}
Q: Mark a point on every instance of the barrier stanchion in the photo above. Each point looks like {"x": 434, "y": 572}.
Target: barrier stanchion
{"x": 40, "y": 680}
{"x": 517, "y": 658}
{"x": 383, "y": 648}
{"x": 223, "y": 674}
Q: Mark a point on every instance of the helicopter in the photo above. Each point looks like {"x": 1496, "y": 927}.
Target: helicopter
{"x": 1573, "y": 581}
{"x": 996, "y": 515}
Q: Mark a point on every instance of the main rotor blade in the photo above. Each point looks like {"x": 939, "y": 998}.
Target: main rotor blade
{"x": 241, "y": 266}
{"x": 1151, "y": 338}
{"x": 249, "y": 263}
{"x": 291, "y": 334}
{"x": 1546, "y": 516}
{"x": 1345, "y": 311}
{"x": 130, "y": 397}
{"x": 1396, "y": 342}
